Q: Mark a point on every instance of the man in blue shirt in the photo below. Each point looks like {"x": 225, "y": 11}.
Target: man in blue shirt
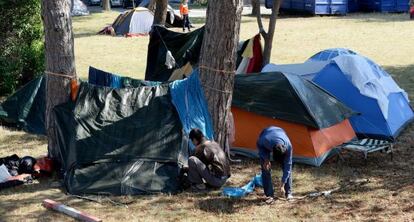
{"x": 274, "y": 139}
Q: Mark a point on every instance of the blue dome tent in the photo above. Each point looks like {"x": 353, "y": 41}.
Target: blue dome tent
{"x": 360, "y": 84}
{"x": 368, "y": 89}
{"x": 328, "y": 54}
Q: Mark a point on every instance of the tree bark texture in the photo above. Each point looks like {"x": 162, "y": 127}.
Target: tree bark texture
{"x": 106, "y": 4}
{"x": 255, "y": 7}
{"x": 152, "y": 4}
{"x": 218, "y": 61}
{"x": 60, "y": 60}
{"x": 268, "y": 36}
{"x": 72, "y": 2}
{"x": 160, "y": 14}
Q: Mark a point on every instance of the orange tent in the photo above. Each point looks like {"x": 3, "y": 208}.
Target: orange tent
{"x": 310, "y": 145}
{"x": 315, "y": 121}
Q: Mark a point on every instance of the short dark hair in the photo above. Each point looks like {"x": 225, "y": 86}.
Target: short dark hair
{"x": 280, "y": 148}
{"x": 279, "y": 153}
{"x": 196, "y": 134}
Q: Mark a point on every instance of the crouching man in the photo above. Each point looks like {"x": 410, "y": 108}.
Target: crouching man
{"x": 209, "y": 163}
{"x": 274, "y": 139}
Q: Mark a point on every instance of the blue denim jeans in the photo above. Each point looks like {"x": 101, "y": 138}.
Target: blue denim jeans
{"x": 267, "y": 181}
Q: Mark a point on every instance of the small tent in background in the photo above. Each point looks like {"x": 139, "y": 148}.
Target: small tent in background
{"x": 138, "y": 22}
{"x": 134, "y": 22}
{"x": 314, "y": 120}
{"x": 79, "y": 8}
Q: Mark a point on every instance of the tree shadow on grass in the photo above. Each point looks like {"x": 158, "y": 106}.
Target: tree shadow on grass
{"x": 42, "y": 214}
{"x": 84, "y": 34}
{"x": 23, "y": 138}
{"x": 226, "y": 205}
{"x": 42, "y": 184}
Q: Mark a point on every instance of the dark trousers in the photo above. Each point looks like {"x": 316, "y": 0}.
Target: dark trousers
{"x": 412, "y": 12}
{"x": 186, "y": 22}
{"x": 197, "y": 171}
{"x": 267, "y": 181}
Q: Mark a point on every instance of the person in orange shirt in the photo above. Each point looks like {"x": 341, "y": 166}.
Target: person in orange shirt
{"x": 184, "y": 14}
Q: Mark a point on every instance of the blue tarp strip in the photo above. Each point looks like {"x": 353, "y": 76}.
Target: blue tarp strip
{"x": 102, "y": 78}
{"x": 188, "y": 98}
{"x": 238, "y": 192}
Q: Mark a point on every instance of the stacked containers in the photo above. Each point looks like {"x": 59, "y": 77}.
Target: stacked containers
{"x": 315, "y": 7}
{"x": 384, "y": 5}
{"x": 341, "y": 7}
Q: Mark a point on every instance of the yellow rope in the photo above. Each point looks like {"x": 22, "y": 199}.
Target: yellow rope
{"x": 218, "y": 90}
{"x": 217, "y": 70}
{"x": 60, "y": 75}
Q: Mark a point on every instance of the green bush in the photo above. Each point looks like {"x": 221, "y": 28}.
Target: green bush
{"x": 21, "y": 43}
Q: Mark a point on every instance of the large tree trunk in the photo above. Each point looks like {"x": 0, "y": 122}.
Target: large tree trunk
{"x": 160, "y": 14}
{"x": 268, "y": 36}
{"x": 60, "y": 60}
{"x": 106, "y": 5}
{"x": 218, "y": 61}
{"x": 72, "y": 2}
{"x": 151, "y": 5}
{"x": 255, "y": 7}
{"x": 267, "y": 52}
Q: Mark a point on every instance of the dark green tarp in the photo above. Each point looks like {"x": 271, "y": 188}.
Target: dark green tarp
{"x": 25, "y": 108}
{"x": 184, "y": 47}
{"x": 120, "y": 141}
{"x": 288, "y": 97}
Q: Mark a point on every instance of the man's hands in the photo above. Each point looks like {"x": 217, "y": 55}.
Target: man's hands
{"x": 267, "y": 165}
{"x": 282, "y": 189}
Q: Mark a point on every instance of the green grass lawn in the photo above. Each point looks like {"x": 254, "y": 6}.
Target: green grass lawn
{"x": 388, "y": 39}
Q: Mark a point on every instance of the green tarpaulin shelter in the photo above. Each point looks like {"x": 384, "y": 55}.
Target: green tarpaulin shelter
{"x": 184, "y": 47}
{"x": 25, "y": 108}
{"x": 120, "y": 141}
